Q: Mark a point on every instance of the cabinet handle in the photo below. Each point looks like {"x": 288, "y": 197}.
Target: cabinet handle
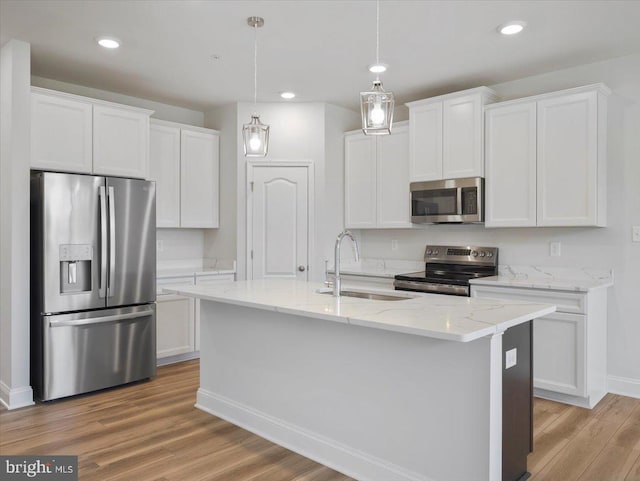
{"x": 302, "y": 268}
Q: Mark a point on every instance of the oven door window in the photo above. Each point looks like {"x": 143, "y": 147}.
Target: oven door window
{"x": 434, "y": 202}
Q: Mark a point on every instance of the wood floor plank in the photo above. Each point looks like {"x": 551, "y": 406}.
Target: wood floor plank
{"x": 151, "y": 431}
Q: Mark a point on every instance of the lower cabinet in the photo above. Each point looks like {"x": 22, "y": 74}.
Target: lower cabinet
{"x": 175, "y": 325}
{"x": 569, "y": 346}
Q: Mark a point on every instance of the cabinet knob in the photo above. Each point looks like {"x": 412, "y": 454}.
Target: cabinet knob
{"x": 302, "y": 268}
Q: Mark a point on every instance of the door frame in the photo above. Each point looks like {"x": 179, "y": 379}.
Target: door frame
{"x": 310, "y": 166}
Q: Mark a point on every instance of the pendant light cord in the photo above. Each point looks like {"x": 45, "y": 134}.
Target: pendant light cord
{"x": 377, "y": 36}
{"x": 255, "y": 65}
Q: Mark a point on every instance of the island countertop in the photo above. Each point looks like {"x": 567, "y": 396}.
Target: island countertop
{"x": 438, "y": 316}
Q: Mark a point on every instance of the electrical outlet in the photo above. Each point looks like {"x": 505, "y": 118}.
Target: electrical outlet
{"x": 511, "y": 358}
{"x": 554, "y": 249}
{"x": 394, "y": 245}
{"x": 635, "y": 233}
{"x": 159, "y": 245}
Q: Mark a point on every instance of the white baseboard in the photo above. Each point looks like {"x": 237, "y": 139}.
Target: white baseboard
{"x": 624, "y": 386}
{"x": 16, "y": 398}
{"x": 163, "y": 361}
{"x": 347, "y": 460}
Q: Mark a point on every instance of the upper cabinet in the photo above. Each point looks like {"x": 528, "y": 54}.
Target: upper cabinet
{"x": 377, "y": 179}
{"x": 184, "y": 162}
{"x": 76, "y": 134}
{"x": 546, "y": 160}
{"x": 446, "y": 135}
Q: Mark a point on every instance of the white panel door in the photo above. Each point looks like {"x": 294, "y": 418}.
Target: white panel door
{"x": 120, "y": 142}
{"x": 568, "y": 160}
{"x": 199, "y": 179}
{"x": 559, "y": 357}
{"x": 394, "y": 205}
{"x": 425, "y": 142}
{"x": 279, "y": 228}
{"x": 164, "y": 168}
{"x": 462, "y": 137}
{"x": 359, "y": 181}
{"x": 61, "y": 133}
{"x": 510, "y": 181}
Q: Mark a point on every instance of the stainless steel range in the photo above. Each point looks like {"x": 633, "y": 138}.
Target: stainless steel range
{"x": 448, "y": 270}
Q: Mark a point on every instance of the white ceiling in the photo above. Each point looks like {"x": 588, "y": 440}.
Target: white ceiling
{"x": 319, "y": 49}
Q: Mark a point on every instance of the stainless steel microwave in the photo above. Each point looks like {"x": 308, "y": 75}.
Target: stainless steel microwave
{"x": 448, "y": 201}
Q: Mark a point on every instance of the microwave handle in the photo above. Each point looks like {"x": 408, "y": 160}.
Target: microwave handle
{"x": 459, "y": 200}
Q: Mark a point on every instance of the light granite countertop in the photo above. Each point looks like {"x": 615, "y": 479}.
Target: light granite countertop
{"x": 194, "y": 267}
{"x": 555, "y": 278}
{"x": 451, "y": 318}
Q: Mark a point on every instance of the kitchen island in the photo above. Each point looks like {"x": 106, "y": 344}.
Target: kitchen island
{"x": 409, "y": 389}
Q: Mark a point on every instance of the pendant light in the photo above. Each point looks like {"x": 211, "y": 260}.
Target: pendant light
{"x": 255, "y": 134}
{"x": 376, "y": 105}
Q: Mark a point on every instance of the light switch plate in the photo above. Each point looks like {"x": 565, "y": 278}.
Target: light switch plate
{"x": 159, "y": 245}
{"x": 511, "y": 358}
{"x": 635, "y": 233}
{"x": 554, "y": 249}
{"x": 394, "y": 245}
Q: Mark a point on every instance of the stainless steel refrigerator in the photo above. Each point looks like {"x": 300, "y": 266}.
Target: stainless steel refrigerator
{"x": 93, "y": 292}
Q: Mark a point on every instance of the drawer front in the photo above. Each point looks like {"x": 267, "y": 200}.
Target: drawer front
{"x": 570, "y": 302}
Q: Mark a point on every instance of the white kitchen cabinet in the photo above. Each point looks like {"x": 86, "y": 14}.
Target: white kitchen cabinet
{"x": 203, "y": 279}
{"x": 377, "y": 180}
{"x": 175, "y": 325}
{"x": 164, "y": 168}
{"x": 185, "y": 165}
{"x": 447, "y": 135}
{"x": 120, "y": 141}
{"x": 199, "y": 178}
{"x": 546, "y": 160}
{"x": 61, "y": 132}
{"x": 569, "y": 346}
{"x": 77, "y": 134}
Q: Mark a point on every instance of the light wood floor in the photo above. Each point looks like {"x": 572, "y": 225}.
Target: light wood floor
{"x": 151, "y": 431}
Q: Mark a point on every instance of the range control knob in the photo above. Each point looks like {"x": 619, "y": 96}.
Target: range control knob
{"x": 428, "y": 252}
{"x": 436, "y": 252}
{"x": 482, "y": 254}
{"x": 489, "y": 254}
{"x": 474, "y": 253}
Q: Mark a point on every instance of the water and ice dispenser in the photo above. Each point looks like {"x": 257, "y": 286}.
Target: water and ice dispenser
{"x": 75, "y": 268}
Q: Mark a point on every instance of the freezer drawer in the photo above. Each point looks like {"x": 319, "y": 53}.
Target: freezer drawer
{"x": 93, "y": 350}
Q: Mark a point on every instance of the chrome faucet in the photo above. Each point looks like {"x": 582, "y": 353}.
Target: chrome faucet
{"x": 336, "y": 264}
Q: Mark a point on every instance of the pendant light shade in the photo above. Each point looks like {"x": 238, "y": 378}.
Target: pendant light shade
{"x": 255, "y": 134}
{"x": 256, "y": 137}
{"x": 376, "y": 107}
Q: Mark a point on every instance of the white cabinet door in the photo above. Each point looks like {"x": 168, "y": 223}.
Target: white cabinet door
{"x": 164, "y": 168}
{"x": 559, "y": 357}
{"x": 393, "y": 199}
{"x": 120, "y": 142}
{"x": 199, "y": 179}
{"x": 568, "y": 160}
{"x": 425, "y": 137}
{"x": 360, "y": 181}
{"x": 510, "y": 182}
{"x": 174, "y": 325}
{"x": 61, "y": 133}
{"x": 462, "y": 137}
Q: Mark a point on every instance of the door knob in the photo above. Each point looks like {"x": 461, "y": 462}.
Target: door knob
{"x": 301, "y": 268}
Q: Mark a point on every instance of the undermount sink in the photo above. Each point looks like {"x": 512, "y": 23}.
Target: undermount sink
{"x": 376, "y": 296}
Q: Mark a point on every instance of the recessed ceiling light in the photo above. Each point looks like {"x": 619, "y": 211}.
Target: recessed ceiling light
{"x": 287, "y": 95}
{"x": 377, "y": 68}
{"x": 108, "y": 42}
{"x": 512, "y": 28}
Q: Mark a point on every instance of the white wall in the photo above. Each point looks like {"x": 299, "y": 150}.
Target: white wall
{"x": 609, "y": 247}
{"x": 221, "y": 243}
{"x": 15, "y": 128}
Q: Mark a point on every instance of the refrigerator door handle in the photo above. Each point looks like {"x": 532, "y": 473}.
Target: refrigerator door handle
{"x": 100, "y": 320}
{"x": 102, "y": 286}
{"x": 112, "y": 241}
